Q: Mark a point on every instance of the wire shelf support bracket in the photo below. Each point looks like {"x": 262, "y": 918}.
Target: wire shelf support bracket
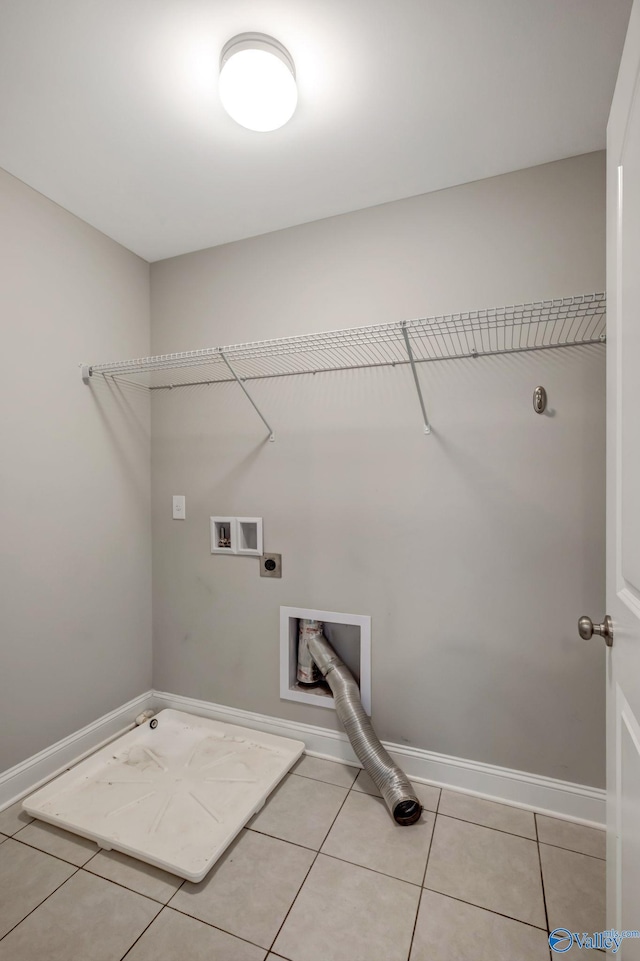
{"x": 427, "y": 425}
{"x": 272, "y": 436}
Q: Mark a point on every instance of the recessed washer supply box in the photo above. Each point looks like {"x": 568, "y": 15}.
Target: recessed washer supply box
{"x": 236, "y": 535}
{"x": 174, "y": 795}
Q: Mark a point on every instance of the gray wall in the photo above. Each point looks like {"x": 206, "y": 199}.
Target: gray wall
{"x": 75, "y": 588}
{"x": 474, "y": 550}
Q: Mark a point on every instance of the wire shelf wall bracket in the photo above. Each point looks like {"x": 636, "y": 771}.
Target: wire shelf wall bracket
{"x": 543, "y": 325}
{"x": 427, "y": 426}
{"x": 272, "y": 436}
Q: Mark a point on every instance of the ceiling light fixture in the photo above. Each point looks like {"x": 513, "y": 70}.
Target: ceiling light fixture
{"x": 257, "y": 82}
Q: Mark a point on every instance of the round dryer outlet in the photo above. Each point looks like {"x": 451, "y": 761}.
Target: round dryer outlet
{"x": 271, "y": 565}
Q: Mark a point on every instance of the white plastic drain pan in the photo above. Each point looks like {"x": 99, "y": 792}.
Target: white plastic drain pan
{"x": 174, "y": 795}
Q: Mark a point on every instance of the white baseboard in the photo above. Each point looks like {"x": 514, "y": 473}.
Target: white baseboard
{"x": 533, "y": 792}
{"x": 20, "y": 780}
{"x": 575, "y": 802}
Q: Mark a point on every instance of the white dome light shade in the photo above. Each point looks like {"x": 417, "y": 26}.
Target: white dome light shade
{"x": 257, "y": 82}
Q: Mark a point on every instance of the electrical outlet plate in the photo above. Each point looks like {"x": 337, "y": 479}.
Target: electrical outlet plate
{"x": 271, "y": 565}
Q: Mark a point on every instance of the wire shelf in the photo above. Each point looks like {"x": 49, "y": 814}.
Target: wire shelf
{"x": 537, "y": 326}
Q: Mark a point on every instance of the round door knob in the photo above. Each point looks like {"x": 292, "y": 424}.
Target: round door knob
{"x": 586, "y": 629}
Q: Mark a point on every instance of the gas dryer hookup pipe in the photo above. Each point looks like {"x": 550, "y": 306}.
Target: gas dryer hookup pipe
{"x": 393, "y": 784}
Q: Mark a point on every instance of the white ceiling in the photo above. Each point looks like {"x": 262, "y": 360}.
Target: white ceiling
{"x": 109, "y": 107}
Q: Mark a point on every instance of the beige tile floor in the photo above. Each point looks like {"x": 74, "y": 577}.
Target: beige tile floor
{"x": 320, "y": 874}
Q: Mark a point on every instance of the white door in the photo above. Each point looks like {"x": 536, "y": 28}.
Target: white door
{"x": 623, "y": 496}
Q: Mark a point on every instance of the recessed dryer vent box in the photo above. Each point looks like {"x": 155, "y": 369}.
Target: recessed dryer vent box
{"x": 350, "y": 636}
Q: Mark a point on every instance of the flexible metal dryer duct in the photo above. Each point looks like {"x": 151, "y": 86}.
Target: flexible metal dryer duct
{"x": 394, "y": 785}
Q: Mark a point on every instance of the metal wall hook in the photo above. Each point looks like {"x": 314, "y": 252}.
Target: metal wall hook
{"x": 539, "y": 400}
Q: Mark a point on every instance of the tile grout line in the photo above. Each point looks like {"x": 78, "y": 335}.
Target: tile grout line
{"x": 284, "y": 920}
{"x": 323, "y": 781}
{"x": 57, "y": 856}
{"x": 84, "y": 867}
{"x": 131, "y": 891}
{"x": 7, "y": 933}
{"x": 559, "y": 847}
{"x": 424, "y": 874}
{"x": 415, "y": 924}
{"x": 118, "y": 884}
{"x": 216, "y": 927}
{"x": 265, "y": 834}
{"x": 394, "y": 877}
{"x": 11, "y": 836}
{"x": 154, "y": 918}
{"x": 480, "y": 907}
{"x": 489, "y": 827}
{"x": 318, "y": 780}
{"x": 93, "y": 857}
{"x": 424, "y": 877}
{"x": 544, "y": 896}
